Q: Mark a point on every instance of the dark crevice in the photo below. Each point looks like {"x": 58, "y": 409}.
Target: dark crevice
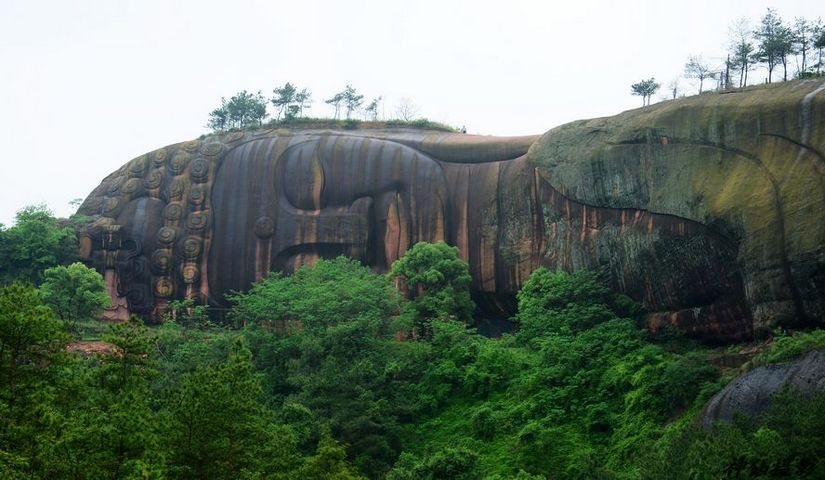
{"x": 717, "y": 234}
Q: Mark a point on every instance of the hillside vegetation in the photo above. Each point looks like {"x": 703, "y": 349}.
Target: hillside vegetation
{"x": 331, "y": 373}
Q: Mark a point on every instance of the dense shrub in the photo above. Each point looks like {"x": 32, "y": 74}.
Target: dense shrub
{"x": 787, "y": 347}
{"x": 315, "y": 383}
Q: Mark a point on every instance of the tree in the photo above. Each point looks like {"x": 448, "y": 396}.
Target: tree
{"x": 217, "y": 426}
{"x": 284, "y": 97}
{"x": 316, "y": 297}
{"x": 742, "y": 49}
{"x": 303, "y": 99}
{"x": 743, "y": 56}
{"x": 697, "y": 68}
{"x": 407, "y": 110}
{"x": 724, "y": 80}
{"x": 335, "y": 101}
{"x": 247, "y": 109}
{"x": 457, "y": 463}
{"x": 219, "y": 117}
{"x": 554, "y": 301}
{"x": 32, "y": 346}
{"x": 241, "y": 111}
{"x": 257, "y": 107}
{"x": 645, "y": 89}
{"x": 29, "y": 333}
{"x": 371, "y": 109}
{"x": 114, "y": 430}
{"x": 673, "y": 86}
{"x": 437, "y": 282}
{"x": 785, "y": 48}
{"x": 352, "y": 99}
{"x": 321, "y": 335}
{"x": 74, "y": 293}
{"x": 188, "y": 314}
{"x": 803, "y": 40}
{"x": 328, "y": 463}
{"x": 766, "y": 35}
{"x": 819, "y": 42}
{"x": 775, "y": 42}
{"x": 35, "y": 242}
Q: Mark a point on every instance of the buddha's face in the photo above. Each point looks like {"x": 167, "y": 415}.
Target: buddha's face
{"x": 283, "y": 202}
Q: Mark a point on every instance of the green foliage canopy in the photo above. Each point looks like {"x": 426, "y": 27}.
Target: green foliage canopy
{"x": 315, "y": 386}
{"x": 35, "y": 242}
{"x": 437, "y": 282}
{"x": 290, "y": 102}
{"x": 331, "y": 292}
{"x": 74, "y": 293}
{"x": 28, "y": 332}
{"x": 645, "y": 89}
{"x": 243, "y": 109}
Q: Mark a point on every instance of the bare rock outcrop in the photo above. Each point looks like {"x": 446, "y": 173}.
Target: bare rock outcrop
{"x": 751, "y": 393}
{"x": 707, "y": 209}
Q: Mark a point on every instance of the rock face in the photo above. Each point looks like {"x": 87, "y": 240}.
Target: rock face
{"x": 708, "y": 209}
{"x": 747, "y": 166}
{"x": 750, "y": 394}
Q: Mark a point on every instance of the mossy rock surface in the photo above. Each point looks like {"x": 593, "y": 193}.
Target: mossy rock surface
{"x": 749, "y": 164}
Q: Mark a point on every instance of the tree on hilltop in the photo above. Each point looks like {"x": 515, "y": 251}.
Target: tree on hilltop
{"x": 742, "y": 49}
{"x": 674, "y": 88}
{"x": 243, "y": 110}
{"x": 290, "y": 102}
{"x": 371, "y": 110}
{"x": 645, "y": 89}
{"x": 775, "y": 42}
{"x": 284, "y": 97}
{"x": 349, "y": 97}
{"x": 407, "y": 110}
{"x": 803, "y": 42}
{"x": 352, "y": 99}
{"x": 696, "y": 67}
{"x": 819, "y": 42}
{"x": 303, "y": 99}
{"x": 785, "y": 46}
{"x": 335, "y": 101}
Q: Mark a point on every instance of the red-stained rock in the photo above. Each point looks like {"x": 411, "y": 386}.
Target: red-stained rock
{"x": 710, "y": 218}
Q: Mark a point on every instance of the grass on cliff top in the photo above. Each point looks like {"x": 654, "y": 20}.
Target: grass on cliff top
{"x": 344, "y": 124}
{"x": 764, "y": 91}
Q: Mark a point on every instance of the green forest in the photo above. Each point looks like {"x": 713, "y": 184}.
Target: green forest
{"x": 333, "y": 373}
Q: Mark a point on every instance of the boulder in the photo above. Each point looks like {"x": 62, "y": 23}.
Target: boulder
{"x": 750, "y": 394}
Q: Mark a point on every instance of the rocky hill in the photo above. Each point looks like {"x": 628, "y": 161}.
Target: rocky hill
{"x": 708, "y": 209}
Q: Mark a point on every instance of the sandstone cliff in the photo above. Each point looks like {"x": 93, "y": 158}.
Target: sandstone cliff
{"x": 708, "y": 209}
{"x": 747, "y": 167}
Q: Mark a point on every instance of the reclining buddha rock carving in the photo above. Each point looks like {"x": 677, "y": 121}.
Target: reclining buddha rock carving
{"x": 707, "y": 209}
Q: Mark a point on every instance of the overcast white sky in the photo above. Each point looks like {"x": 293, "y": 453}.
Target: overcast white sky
{"x": 88, "y": 85}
